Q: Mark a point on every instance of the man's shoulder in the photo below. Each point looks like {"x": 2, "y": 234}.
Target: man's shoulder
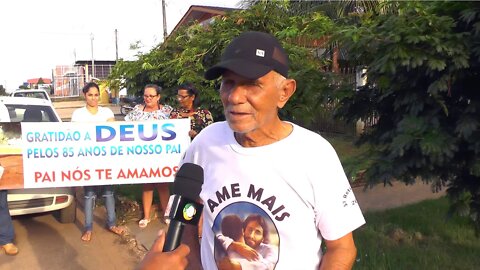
{"x": 216, "y": 127}
{"x": 314, "y": 140}
{"x": 216, "y": 130}
{"x": 304, "y": 132}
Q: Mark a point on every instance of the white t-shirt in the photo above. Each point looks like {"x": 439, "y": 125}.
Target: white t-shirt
{"x": 83, "y": 115}
{"x": 296, "y": 184}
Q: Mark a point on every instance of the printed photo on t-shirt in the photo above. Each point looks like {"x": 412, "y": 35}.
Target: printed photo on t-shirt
{"x": 245, "y": 236}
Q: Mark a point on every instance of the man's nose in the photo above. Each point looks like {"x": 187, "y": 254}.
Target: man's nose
{"x": 237, "y": 94}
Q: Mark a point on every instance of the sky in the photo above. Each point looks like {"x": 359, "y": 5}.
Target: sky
{"x": 36, "y": 36}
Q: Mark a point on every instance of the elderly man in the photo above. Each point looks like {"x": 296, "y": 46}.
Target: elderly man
{"x": 271, "y": 166}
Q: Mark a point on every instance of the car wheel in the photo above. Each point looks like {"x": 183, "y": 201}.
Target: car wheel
{"x": 67, "y": 215}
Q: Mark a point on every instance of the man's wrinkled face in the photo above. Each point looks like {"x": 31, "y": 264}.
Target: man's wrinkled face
{"x": 250, "y": 105}
{"x": 253, "y": 234}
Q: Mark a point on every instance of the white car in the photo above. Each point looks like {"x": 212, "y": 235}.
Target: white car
{"x": 28, "y": 201}
{"x": 33, "y": 93}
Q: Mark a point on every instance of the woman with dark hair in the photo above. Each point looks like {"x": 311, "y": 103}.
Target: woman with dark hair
{"x": 91, "y": 112}
{"x": 152, "y": 109}
{"x": 189, "y": 101}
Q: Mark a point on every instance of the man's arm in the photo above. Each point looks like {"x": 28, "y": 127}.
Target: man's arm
{"x": 244, "y": 250}
{"x": 340, "y": 254}
{"x": 234, "y": 246}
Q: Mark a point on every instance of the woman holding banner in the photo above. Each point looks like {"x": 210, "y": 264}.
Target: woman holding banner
{"x": 94, "y": 113}
{"x": 152, "y": 109}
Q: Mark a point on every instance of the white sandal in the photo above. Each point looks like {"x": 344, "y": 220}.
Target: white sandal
{"x": 143, "y": 223}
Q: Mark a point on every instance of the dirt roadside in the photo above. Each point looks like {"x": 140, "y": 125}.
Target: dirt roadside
{"x": 382, "y": 197}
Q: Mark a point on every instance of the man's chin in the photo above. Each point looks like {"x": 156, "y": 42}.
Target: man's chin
{"x": 250, "y": 244}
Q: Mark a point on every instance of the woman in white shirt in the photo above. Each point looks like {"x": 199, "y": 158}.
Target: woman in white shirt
{"x": 91, "y": 112}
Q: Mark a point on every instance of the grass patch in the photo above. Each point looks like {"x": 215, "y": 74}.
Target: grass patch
{"x": 134, "y": 192}
{"x": 417, "y": 237}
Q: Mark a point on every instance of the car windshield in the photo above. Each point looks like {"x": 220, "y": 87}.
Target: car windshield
{"x": 40, "y": 95}
{"x": 31, "y": 113}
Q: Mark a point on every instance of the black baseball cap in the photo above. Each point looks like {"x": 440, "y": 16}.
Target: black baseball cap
{"x": 251, "y": 55}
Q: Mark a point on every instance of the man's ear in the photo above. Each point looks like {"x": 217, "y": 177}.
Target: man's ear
{"x": 288, "y": 88}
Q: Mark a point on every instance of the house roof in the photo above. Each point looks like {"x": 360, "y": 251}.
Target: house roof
{"x": 35, "y": 81}
{"x": 200, "y": 14}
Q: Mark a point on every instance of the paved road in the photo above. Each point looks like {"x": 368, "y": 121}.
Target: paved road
{"x": 385, "y": 197}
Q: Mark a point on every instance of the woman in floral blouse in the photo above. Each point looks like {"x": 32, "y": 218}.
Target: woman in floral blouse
{"x": 189, "y": 99}
{"x": 152, "y": 109}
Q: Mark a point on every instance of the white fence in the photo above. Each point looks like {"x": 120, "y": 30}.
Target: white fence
{"x": 68, "y": 81}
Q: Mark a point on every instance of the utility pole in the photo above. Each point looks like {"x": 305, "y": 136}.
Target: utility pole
{"x": 116, "y": 45}
{"x": 93, "y": 60}
{"x": 164, "y": 21}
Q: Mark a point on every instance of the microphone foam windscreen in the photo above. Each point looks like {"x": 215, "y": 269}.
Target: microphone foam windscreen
{"x": 188, "y": 181}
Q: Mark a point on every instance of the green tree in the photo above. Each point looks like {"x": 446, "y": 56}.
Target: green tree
{"x": 423, "y": 74}
{"x": 2, "y": 91}
{"x": 187, "y": 53}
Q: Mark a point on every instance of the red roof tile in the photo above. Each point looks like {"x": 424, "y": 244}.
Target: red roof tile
{"x": 35, "y": 81}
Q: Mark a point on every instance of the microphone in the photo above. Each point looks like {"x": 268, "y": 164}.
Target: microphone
{"x": 183, "y": 207}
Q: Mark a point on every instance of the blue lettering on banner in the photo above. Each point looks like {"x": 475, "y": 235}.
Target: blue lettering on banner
{"x": 127, "y": 132}
{"x": 42, "y": 153}
{"x": 52, "y": 136}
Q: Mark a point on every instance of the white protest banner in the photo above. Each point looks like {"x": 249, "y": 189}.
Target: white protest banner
{"x": 85, "y": 154}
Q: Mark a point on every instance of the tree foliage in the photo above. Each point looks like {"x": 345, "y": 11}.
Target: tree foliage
{"x": 423, "y": 76}
{"x": 191, "y": 50}
{"x": 423, "y": 62}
